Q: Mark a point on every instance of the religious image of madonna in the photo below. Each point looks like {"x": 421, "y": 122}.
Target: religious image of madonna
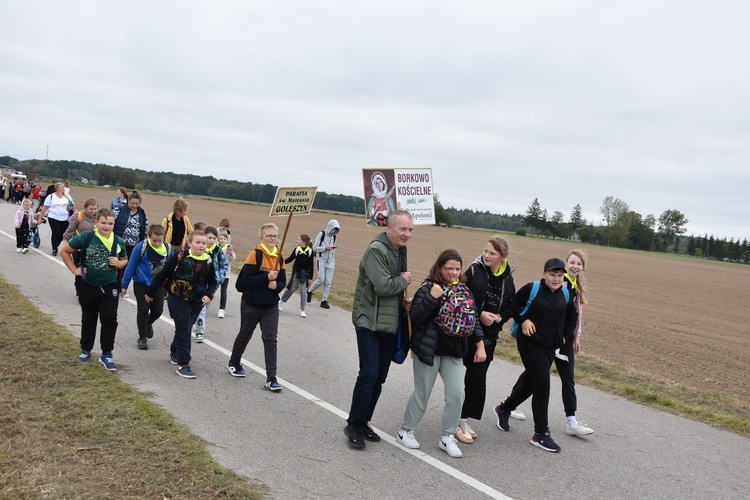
{"x": 380, "y": 195}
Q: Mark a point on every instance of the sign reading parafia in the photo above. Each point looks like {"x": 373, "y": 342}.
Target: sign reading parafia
{"x": 407, "y": 189}
{"x": 293, "y": 200}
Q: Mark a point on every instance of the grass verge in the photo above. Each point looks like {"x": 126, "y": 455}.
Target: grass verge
{"x": 710, "y": 407}
{"x": 74, "y": 430}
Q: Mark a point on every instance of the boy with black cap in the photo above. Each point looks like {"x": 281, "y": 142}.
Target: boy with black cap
{"x": 549, "y": 318}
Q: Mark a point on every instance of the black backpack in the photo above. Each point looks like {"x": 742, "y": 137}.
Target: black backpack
{"x": 238, "y": 282}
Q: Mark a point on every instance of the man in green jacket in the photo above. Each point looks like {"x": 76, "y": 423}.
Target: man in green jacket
{"x": 378, "y": 300}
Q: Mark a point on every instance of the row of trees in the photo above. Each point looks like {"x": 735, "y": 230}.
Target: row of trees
{"x": 170, "y": 182}
{"x": 622, "y": 226}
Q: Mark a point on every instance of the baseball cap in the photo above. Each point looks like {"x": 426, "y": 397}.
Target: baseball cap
{"x": 553, "y": 264}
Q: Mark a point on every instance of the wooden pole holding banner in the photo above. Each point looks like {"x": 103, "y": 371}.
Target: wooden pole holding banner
{"x": 283, "y": 239}
{"x": 286, "y": 230}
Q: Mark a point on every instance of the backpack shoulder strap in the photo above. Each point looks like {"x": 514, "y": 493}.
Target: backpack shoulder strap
{"x": 566, "y": 292}
{"x": 532, "y": 296}
{"x": 80, "y": 216}
{"x": 258, "y": 257}
{"x": 116, "y": 245}
{"x": 89, "y": 237}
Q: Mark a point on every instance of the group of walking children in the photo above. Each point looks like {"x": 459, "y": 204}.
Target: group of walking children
{"x": 456, "y": 319}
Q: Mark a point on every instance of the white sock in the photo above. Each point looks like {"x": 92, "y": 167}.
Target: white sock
{"x": 571, "y": 420}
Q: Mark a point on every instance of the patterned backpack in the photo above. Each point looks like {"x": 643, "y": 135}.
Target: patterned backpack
{"x": 458, "y": 312}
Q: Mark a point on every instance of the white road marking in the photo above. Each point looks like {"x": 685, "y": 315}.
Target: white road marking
{"x": 420, "y": 455}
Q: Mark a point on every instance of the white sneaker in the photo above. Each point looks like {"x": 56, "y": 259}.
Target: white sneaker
{"x": 471, "y": 431}
{"x": 281, "y": 306}
{"x": 448, "y": 445}
{"x": 221, "y": 313}
{"x": 518, "y": 415}
{"x": 302, "y": 314}
{"x": 463, "y": 432}
{"x": 198, "y": 338}
{"x": 198, "y": 328}
{"x": 407, "y": 439}
{"x": 18, "y": 250}
{"x": 579, "y": 429}
{"x": 25, "y": 250}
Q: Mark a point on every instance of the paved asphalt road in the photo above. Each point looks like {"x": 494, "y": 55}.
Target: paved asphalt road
{"x": 293, "y": 440}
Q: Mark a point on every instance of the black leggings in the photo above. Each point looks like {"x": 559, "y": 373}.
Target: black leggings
{"x": 58, "y": 228}
{"x": 566, "y": 370}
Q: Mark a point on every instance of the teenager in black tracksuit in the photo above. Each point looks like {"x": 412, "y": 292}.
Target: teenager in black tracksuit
{"x": 549, "y": 319}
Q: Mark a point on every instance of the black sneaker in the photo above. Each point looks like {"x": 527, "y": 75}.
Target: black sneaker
{"x": 502, "y": 417}
{"x": 354, "y": 435}
{"x": 185, "y": 371}
{"x": 368, "y": 433}
{"x": 545, "y": 442}
{"x": 142, "y": 344}
{"x": 150, "y": 331}
{"x": 173, "y": 359}
{"x": 309, "y": 297}
{"x": 325, "y": 305}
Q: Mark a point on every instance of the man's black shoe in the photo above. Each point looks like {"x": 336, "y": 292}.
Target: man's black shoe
{"x": 368, "y": 433}
{"x": 354, "y": 434}
{"x": 325, "y": 305}
{"x": 309, "y": 297}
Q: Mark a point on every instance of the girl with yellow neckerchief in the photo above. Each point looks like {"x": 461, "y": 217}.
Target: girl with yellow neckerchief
{"x": 146, "y": 260}
{"x": 575, "y": 264}
{"x": 302, "y": 272}
{"x": 490, "y": 279}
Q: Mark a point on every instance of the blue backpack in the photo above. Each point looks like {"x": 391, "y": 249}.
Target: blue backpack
{"x": 514, "y": 327}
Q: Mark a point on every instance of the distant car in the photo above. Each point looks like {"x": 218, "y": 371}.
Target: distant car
{"x": 107, "y": 186}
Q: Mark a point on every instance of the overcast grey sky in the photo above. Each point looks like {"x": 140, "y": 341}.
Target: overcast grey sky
{"x": 565, "y": 101}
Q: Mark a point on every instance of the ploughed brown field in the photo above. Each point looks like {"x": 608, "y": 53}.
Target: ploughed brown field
{"x": 684, "y": 321}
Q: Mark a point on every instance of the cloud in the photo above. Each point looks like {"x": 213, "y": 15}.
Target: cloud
{"x": 506, "y": 101}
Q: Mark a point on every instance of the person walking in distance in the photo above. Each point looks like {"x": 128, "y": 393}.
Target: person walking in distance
{"x": 177, "y": 224}
{"x": 324, "y": 247}
{"x": 378, "y": 302}
{"x": 302, "y": 272}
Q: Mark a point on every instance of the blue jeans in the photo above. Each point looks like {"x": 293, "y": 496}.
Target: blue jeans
{"x": 375, "y": 353}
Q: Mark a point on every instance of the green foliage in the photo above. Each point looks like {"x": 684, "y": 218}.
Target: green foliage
{"x": 521, "y": 231}
{"x": 442, "y": 217}
{"x": 484, "y": 220}
{"x": 671, "y": 224}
